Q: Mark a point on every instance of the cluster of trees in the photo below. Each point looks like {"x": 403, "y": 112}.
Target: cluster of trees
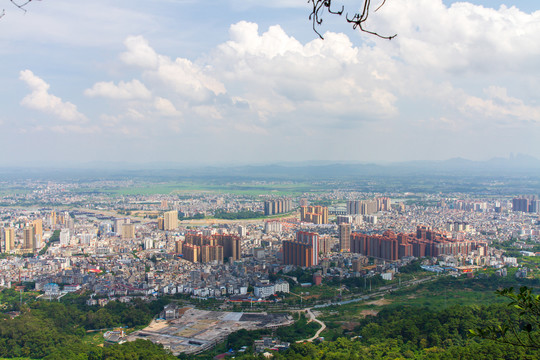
{"x": 10, "y": 299}
{"x": 412, "y": 267}
{"x": 136, "y": 350}
{"x": 243, "y": 214}
{"x": 197, "y": 216}
{"x": 301, "y": 275}
{"x": 525, "y": 331}
{"x": 344, "y": 349}
{"x": 55, "y": 330}
{"x": 358, "y": 283}
{"x": 300, "y": 330}
{"x": 44, "y": 329}
{"x": 421, "y": 333}
{"x": 55, "y": 237}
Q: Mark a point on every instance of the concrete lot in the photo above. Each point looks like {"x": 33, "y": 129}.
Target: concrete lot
{"x": 198, "y": 330}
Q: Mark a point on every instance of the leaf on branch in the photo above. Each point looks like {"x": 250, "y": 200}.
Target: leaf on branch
{"x": 523, "y": 331}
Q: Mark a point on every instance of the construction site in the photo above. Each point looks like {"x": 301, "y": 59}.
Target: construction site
{"x": 193, "y": 331}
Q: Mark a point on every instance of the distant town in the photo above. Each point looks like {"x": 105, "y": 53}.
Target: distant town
{"x": 246, "y": 248}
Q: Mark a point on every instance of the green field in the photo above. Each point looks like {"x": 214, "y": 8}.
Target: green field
{"x": 180, "y": 188}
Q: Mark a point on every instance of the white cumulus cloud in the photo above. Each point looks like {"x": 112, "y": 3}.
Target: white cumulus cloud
{"x": 460, "y": 37}
{"x": 40, "y": 99}
{"x": 499, "y": 105}
{"x": 278, "y": 74}
{"x": 165, "y": 107}
{"x": 180, "y": 75}
{"x": 123, "y": 91}
{"x": 139, "y": 53}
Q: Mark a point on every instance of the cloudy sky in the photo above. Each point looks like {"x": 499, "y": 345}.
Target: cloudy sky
{"x": 241, "y": 81}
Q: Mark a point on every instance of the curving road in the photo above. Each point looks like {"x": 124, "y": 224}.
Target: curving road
{"x": 313, "y": 318}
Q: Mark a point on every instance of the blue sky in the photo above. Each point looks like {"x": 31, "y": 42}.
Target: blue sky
{"x": 231, "y": 81}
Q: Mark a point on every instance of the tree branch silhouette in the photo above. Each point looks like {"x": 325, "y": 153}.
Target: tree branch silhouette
{"x": 20, "y": 4}
{"x": 358, "y": 19}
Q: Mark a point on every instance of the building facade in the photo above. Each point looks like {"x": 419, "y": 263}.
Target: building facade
{"x": 303, "y": 251}
{"x": 314, "y": 214}
{"x": 425, "y": 242}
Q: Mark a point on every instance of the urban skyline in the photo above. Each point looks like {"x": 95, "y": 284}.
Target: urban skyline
{"x": 175, "y": 250}
{"x": 252, "y": 83}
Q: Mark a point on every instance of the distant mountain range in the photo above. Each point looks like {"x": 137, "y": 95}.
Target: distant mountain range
{"x": 518, "y": 165}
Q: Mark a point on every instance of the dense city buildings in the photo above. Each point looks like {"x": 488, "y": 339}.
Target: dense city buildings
{"x": 118, "y": 249}
{"x": 327, "y": 244}
{"x": 526, "y": 204}
{"x": 361, "y": 207}
{"x": 118, "y": 245}
{"x": 314, "y": 214}
{"x": 367, "y": 207}
{"x": 425, "y": 242}
{"x": 277, "y": 206}
{"x": 272, "y": 227}
{"x": 456, "y": 226}
{"x": 206, "y": 248}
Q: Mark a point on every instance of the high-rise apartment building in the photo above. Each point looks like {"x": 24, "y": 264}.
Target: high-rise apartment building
{"x": 29, "y": 244}
{"x": 160, "y": 223}
{"x": 178, "y": 247}
{"x": 9, "y": 239}
{"x": 272, "y": 226}
{"x": 65, "y": 238}
{"x": 383, "y": 204}
{"x": 277, "y": 206}
{"x": 314, "y": 214}
{"x": 118, "y": 223}
{"x": 528, "y": 204}
{"x": 326, "y": 244}
{"x": 216, "y": 247}
{"x": 191, "y": 252}
{"x": 345, "y": 237}
{"x": 303, "y": 251}
{"x": 340, "y": 219}
{"x": 231, "y": 246}
{"x": 362, "y": 207}
{"x": 170, "y": 220}
{"x": 128, "y": 231}
{"x": 52, "y": 219}
{"x": 211, "y": 253}
{"x": 242, "y": 231}
{"x": 425, "y": 242}
{"x": 38, "y": 232}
